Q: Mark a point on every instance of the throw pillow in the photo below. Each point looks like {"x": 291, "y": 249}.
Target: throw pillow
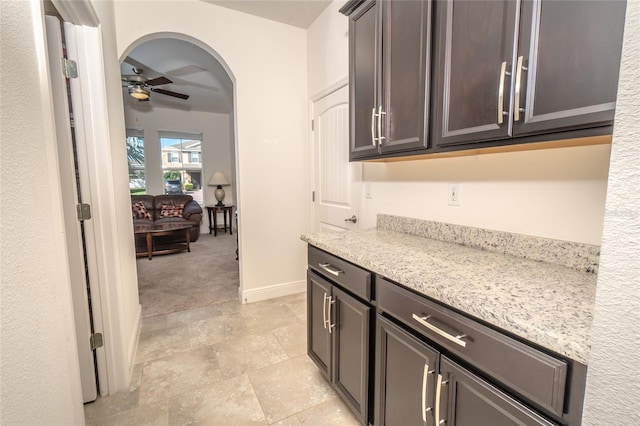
{"x": 170, "y": 210}
{"x": 140, "y": 211}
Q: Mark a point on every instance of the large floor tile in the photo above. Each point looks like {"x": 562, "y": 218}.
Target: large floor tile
{"x": 289, "y": 387}
{"x": 258, "y": 317}
{"x": 156, "y": 414}
{"x": 249, "y": 352}
{"x": 231, "y": 402}
{"x": 112, "y": 405}
{"x": 206, "y": 332}
{"x": 331, "y": 412}
{"x": 162, "y": 343}
{"x": 179, "y": 373}
{"x": 293, "y": 339}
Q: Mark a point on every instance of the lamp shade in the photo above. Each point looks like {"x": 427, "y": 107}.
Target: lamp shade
{"x": 218, "y": 179}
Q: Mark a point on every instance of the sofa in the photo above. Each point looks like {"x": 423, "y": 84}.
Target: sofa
{"x": 149, "y": 209}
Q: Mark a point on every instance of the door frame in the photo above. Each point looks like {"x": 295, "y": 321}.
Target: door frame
{"x": 115, "y": 360}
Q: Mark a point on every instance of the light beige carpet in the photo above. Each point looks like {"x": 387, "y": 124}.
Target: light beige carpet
{"x": 181, "y": 281}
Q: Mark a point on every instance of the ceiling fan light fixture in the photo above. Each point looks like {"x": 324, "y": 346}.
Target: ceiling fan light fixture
{"x": 139, "y": 93}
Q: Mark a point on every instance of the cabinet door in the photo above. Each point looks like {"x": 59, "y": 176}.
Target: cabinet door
{"x": 570, "y": 57}
{"x": 406, "y": 370}
{"x": 406, "y": 53}
{"x": 363, "y": 80}
{"x": 350, "y": 338}
{"x": 318, "y": 339}
{"x": 474, "y": 45}
{"x": 467, "y": 400}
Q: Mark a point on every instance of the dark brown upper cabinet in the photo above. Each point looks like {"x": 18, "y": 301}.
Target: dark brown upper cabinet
{"x": 389, "y": 62}
{"x": 510, "y": 69}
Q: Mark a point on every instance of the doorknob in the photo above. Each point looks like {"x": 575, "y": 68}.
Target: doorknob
{"x": 353, "y": 219}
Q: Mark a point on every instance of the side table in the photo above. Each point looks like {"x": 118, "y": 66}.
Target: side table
{"x": 213, "y": 210}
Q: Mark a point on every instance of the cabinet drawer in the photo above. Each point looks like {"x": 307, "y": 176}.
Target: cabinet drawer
{"x": 350, "y": 277}
{"x": 527, "y": 371}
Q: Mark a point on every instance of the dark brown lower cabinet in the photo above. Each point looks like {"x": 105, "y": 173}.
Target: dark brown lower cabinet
{"x": 338, "y": 327}
{"x": 417, "y": 385}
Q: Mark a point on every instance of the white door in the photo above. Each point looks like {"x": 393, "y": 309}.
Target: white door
{"x": 336, "y": 181}
{"x": 73, "y": 232}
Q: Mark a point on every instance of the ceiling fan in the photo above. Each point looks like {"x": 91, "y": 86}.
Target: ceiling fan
{"x": 140, "y": 87}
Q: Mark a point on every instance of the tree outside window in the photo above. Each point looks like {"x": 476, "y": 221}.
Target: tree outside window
{"x": 135, "y": 159}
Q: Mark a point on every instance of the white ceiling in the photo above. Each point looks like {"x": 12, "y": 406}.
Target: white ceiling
{"x": 299, "y": 13}
{"x": 193, "y": 71}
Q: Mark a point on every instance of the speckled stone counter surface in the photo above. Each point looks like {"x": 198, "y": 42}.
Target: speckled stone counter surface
{"x": 546, "y": 303}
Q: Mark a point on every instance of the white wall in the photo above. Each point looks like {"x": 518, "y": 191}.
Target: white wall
{"x": 267, "y": 61}
{"x": 216, "y": 146}
{"x": 39, "y": 375}
{"x": 328, "y": 49}
{"x": 613, "y": 379}
{"x": 553, "y": 193}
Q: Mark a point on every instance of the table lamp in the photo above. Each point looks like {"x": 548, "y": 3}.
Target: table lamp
{"x": 219, "y": 180}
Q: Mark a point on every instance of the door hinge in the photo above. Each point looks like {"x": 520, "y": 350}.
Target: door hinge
{"x": 312, "y": 125}
{"x": 96, "y": 341}
{"x": 69, "y": 68}
{"x": 313, "y": 196}
{"x": 84, "y": 211}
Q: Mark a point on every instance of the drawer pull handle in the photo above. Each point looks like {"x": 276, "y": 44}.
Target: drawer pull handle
{"x": 330, "y": 269}
{"x": 455, "y": 339}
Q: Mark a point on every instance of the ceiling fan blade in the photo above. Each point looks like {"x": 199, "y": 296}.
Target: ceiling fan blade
{"x": 158, "y": 81}
{"x": 170, "y": 93}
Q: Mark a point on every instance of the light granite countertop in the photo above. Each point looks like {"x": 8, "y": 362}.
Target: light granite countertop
{"x": 548, "y": 304}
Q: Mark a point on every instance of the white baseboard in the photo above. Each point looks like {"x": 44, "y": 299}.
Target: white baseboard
{"x": 271, "y": 292}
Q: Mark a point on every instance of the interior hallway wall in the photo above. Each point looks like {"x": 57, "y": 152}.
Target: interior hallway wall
{"x": 268, "y": 62}
{"x": 39, "y": 375}
{"x": 613, "y": 379}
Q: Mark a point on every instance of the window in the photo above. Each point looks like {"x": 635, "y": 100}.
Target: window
{"x": 135, "y": 158}
{"x": 194, "y": 157}
{"x": 174, "y": 157}
{"x": 182, "y": 160}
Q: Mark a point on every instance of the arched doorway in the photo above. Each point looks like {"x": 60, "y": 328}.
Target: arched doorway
{"x": 184, "y": 141}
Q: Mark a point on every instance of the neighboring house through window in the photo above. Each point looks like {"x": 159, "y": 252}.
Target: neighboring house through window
{"x": 182, "y": 160}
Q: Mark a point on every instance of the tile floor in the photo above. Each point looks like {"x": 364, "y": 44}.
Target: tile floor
{"x": 227, "y": 364}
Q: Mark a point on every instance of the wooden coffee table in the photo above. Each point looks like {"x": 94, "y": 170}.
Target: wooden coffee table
{"x": 160, "y": 229}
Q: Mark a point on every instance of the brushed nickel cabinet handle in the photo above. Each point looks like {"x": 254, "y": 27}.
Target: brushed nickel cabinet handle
{"x": 438, "y": 395}
{"x": 517, "y": 110}
{"x": 324, "y": 310}
{"x": 331, "y": 302}
{"x": 380, "y": 114}
{"x": 441, "y": 383}
{"x": 373, "y": 124}
{"x": 425, "y": 391}
{"x": 501, "y": 111}
{"x": 328, "y": 268}
{"x": 455, "y": 339}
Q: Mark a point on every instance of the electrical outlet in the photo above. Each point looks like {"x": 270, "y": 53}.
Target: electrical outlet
{"x": 367, "y": 190}
{"x": 453, "y": 194}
